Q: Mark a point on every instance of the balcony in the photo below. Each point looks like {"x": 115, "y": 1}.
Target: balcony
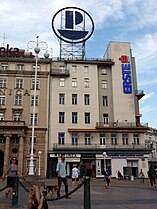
{"x": 101, "y": 125}
{"x": 93, "y": 146}
{"x": 58, "y": 72}
{"x": 13, "y": 124}
{"x": 83, "y": 60}
{"x": 139, "y": 94}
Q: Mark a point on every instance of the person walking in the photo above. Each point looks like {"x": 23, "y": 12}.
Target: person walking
{"x": 36, "y": 199}
{"x": 11, "y": 172}
{"x": 141, "y": 176}
{"x": 61, "y": 175}
{"x": 152, "y": 175}
{"x": 107, "y": 177}
{"x": 75, "y": 175}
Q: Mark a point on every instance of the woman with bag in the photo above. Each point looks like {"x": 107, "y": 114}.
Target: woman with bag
{"x": 12, "y": 173}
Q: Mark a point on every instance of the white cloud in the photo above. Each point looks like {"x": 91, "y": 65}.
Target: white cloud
{"x": 147, "y": 108}
{"x": 146, "y": 97}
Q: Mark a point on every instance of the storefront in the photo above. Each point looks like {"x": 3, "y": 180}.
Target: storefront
{"x": 71, "y": 159}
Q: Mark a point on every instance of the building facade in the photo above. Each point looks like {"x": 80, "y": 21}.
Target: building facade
{"x": 16, "y": 109}
{"x": 87, "y": 109}
{"x": 94, "y": 115}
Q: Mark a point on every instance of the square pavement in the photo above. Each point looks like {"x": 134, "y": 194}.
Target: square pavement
{"x": 122, "y": 194}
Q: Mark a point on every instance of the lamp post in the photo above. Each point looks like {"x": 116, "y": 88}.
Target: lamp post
{"x": 39, "y": 162}
{"x": 105, "y": 155}
{"x": 36, "y": 45}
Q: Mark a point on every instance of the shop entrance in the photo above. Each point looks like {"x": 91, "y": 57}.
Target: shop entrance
{"x": 88, "y": 168}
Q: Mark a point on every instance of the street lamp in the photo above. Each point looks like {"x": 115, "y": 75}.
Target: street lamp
{"x": 36, "y": 45}
{"x": 105, "y": 155}
{"x": 39, "y": 162}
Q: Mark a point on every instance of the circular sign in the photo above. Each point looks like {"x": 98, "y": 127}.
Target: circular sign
{"x": 72, "y": 25}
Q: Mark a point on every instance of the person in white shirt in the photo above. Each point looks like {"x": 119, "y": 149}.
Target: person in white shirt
{"x": 75, "y": 175}
{"x": 61, "y": 175}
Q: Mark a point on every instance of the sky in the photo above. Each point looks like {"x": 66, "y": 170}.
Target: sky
{"x": 133, "y": 21}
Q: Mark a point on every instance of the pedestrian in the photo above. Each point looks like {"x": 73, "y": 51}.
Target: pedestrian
{"x": 75, "y": 175}
{"x": 107, "y": 177}
{"x": 120, "y": 176}
{"x": 36, "y": 199}
{"x": 61, "y": 175}
{"x": 141, "y": 176}
{"x": 83, "y": 171}
{"x": 12, "y": 173}
{"x": 152, "y": 175}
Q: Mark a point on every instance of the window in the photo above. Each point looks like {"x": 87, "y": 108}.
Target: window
{"x": 87, "y": 138}
{"x": 74, "y": 117}
{"x": 3, "y": 83}
{"x": 106, "y": 119}
{"x": 15, "y": 139}
{"x": 1, "y": 116}
{"x": 87, "y": 117}
{"x": 86, "y": 69}
{"x": 86, "y": 82}
{"x": 62, "y": 69}
{"x": 125, "y": 138}
{"x": 102, "y": 137}
{"x": 74, "y": 99}
{"x": 104, "y": 84}
{"x": 2, "y": 139}
{"x": 136, "y": 139}
{"x": 61, "y": 136}
{"x": 38, "y": 67}
{"x": 19, "y": 83}
{"x": 2, "y": 100}
{"x": 17, "y": 117}
{"x": 36, "y": 100}
{"x": 86, "y": 99}
{"x": 62, "y": 82}
{"x": 61, "y": 98}
{"x": 105, "y": 101}
{"x": 61, "y": 117}
{"x": 4, "y": 66}
{"x": 113, "y": 139}
{"x": 103, "y": 71}
{"x": 18, "y": 100}
{"x": 74, "y": 82}
{"x": 35, "y": 139}
{"x": 35, "y": 119}
{"x": 74, "y": 139}
{"x": 37, "y": 84}
{"x": 20, "y": 67}
{"x": 74, "y": 68}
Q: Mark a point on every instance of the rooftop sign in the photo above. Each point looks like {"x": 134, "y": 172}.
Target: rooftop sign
{"x": 72, "y": 25}
{"x": 9, "y": 52}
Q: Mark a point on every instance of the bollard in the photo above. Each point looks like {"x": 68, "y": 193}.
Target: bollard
{"x": 87, "y": 200}
{"x": 15, "y": 193}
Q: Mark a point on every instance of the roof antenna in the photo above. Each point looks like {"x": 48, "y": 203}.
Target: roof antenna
{"x": 4, "y": 40}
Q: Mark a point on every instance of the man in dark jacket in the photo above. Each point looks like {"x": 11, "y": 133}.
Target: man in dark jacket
{"x": 152, "y": 175}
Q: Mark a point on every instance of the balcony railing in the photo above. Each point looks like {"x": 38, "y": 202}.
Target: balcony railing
{"x": 6, "y": 123}
{"x": 120, "y": 124}
{"x": 58, "y": 72}
{"x": 85, "y": 59}
{"x": 97, "y": 146}
{"x": 139, "y": 92}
